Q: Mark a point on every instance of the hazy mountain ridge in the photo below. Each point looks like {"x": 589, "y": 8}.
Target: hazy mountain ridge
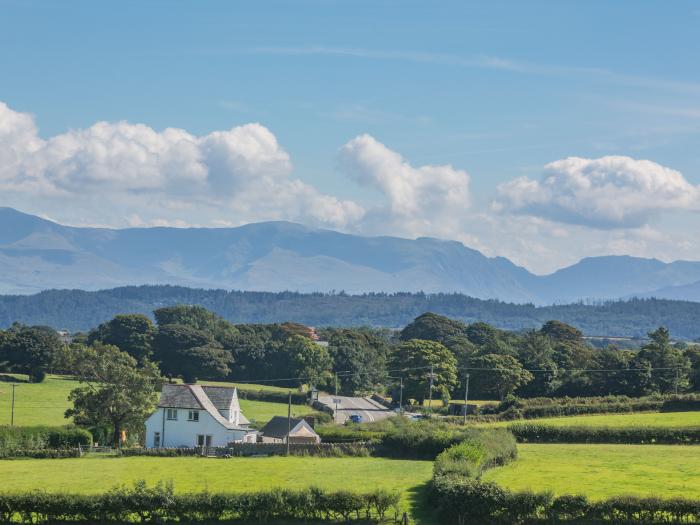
{"x": 36, "y": 254}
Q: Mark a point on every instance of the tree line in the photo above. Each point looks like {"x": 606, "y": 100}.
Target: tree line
{"x": 430, "y": 356}
{"x": 80, "y": 310}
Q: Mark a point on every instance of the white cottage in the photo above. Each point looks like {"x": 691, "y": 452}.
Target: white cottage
{"x": 195, "y": 416}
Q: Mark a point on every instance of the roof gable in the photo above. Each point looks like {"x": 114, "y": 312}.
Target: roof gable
{"x": 278, "y": 427}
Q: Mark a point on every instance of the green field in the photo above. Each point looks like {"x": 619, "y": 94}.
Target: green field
{"x": 45, "y": 403}
{"x": 192, "y": 474}
{"x": 638, "y": 419}
{"x": 600, "y": 471}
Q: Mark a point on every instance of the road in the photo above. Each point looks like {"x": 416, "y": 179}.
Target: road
{"x": 365, "y": 407}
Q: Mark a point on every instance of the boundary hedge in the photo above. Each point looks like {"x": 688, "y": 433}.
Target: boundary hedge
{"x": 160, "y": 503}
{"x": 461, "y": 500}
{"x": 42, "y": 437}
{"x": 542, "y": 433}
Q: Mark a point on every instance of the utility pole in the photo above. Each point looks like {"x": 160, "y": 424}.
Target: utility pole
{"x": 678, "y": 370}
{"x": 289, "y": 419}
{"x": 430, "y": 399}
{"x": 336, "y": 384}
{"x": 12, "y": 417}
{"x": 466, "y": 397}
{"x": 401, "y": 397}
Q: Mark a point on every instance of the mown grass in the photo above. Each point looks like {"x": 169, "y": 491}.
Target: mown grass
{"x": 601, "y": 471}
{"x": 45, "y": 403}
{"x": 637, "y": 419}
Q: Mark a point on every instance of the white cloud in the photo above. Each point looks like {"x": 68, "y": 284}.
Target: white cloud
{"x": 425, "y": 200}
{"x": 609, "y": 192}
{"x": 122, "y": 173}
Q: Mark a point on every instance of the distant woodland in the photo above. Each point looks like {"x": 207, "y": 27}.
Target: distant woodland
{"x": 77, "y": 310}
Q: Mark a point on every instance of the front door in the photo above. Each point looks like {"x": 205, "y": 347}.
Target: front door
{"x": 156, "y": 439}
{"x": 204, "y": 440}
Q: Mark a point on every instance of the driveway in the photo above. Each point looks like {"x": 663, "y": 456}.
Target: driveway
{"x": 365, "y": 407}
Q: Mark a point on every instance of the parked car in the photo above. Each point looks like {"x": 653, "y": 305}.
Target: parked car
{"x": 355, "y": 418}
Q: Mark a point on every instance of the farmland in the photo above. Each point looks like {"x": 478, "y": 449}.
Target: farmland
{"x": 604, "y": 470}
{"x": 45, "y": 403}
{"x": 192, "y": 474}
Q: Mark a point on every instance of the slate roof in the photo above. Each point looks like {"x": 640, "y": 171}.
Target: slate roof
{"x": 278, "y": 427}
{"x": 180, "y": 396}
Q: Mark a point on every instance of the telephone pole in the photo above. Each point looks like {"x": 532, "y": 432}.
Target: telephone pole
{"x": 289, "y": 419}
{"x": 401, "y": 397}
{"x": 336, "y": 384}
{"x": 466, "y": 397}
{"x": 12, "y": 417}
{"x": 430, "y": 399}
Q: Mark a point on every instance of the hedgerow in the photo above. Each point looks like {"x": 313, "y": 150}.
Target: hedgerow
{"x": 267, "y": 449}
{"x": 542, "y": 433}
{"x": 160, "y": 503}
{"x": 42, "y": 437}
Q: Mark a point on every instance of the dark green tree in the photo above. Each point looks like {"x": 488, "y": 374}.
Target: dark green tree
{"x": 190, "y": 353}
{"x": 360, "y": 358}
{"x": 30, "y": 350}
{"x": 432, "y": 327}
{"x": 117, "y": 391}
{"x": 413, "y": 360}
{"x": 198, "y": 318}
{"x": 536, "y": 353}
{"x": 671, "y": 366}
{"x": 498, "y": 375}
{"x": 131, "y": 333}
{"x": 312, "y": 363}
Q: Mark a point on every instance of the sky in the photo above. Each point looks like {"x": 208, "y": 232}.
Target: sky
{"x": 544, "y": 132}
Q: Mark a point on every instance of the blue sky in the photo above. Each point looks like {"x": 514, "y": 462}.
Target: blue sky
{"x": 404, "y": 118}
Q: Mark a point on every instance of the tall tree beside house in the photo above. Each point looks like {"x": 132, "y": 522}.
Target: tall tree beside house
{"x": 117, "y": 391}
{"x": 189, "y": 353}
{"x": 131, "y": 333}
{"x": 29, "y": 350}
{"x": 414, "y": 359}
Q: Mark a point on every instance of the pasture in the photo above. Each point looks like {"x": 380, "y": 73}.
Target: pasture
{"x": 601, "y": 471}
{"x": 45, "y": 403}
{"x": 193, "y": 474}
{"x": 636, "y": 419}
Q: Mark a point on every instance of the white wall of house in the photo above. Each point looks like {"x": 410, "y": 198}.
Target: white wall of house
{"x": 183, "y": 433}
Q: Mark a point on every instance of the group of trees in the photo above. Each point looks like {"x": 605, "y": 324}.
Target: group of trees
{"x": 556, "y": 360}
{"x": 431, "y": 356}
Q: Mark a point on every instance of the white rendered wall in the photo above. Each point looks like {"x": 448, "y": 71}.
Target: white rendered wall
{"x": 183, "y": 433}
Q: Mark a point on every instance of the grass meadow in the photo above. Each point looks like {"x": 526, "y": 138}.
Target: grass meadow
{"x": 45, "y": 403}
{"x": 601, "y": 471}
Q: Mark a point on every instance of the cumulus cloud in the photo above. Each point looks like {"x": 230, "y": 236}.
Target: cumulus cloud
{"x": 609, "y": 192}
{"x": 424, "y": 200}
{"x": 122, "y": 173}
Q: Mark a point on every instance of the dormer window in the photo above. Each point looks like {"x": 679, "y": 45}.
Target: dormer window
{"x": 193, "y": 415}
{"x": 171, "y": 414}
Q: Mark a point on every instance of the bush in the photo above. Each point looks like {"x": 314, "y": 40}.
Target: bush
{"x": 42, "y": 437}
{"x": 542, "y": 433}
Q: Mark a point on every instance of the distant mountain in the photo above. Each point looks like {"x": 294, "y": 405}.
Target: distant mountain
{"x": 686, "y": 292}
{"x": 36, "y": 254}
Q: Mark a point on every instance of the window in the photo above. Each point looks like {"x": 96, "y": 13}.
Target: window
{"x": 171, "y": 414}
{"x": 156, "y": 439}
{"x": 193, "y": 415}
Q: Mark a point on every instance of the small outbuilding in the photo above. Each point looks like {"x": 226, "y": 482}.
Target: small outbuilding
{"x": 277, "y": 430}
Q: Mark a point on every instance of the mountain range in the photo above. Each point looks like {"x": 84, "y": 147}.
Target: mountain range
{"x": 37, "y": 254}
